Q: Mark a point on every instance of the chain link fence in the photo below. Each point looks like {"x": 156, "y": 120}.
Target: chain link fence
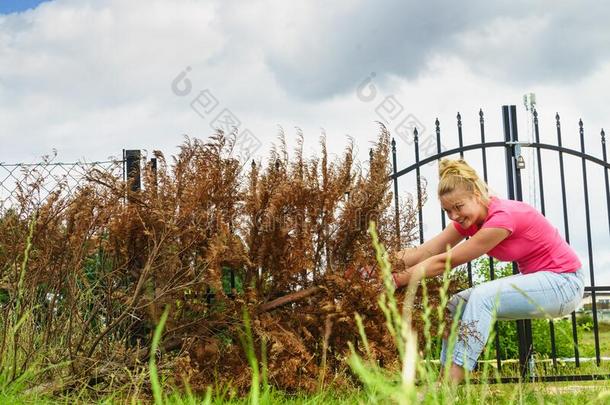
{"x": 37, "y": 181}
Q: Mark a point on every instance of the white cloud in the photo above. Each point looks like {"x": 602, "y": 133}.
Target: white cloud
{"x": 85, "y": 73}
{"x": 76, "y": 70}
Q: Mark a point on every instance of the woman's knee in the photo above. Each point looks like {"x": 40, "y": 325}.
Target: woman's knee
{"x": 482, "y": 298}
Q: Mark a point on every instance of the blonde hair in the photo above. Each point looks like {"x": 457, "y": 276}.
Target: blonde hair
{"x": 457, "y": 174}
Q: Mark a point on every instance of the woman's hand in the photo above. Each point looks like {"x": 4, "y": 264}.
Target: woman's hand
{"x": 412, "y": 274}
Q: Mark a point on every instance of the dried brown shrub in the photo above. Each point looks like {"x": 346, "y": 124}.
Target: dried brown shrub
{"x": 205, "y": 239}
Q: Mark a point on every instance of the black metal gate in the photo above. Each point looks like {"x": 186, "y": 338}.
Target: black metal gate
{"x": 514, "y": 164}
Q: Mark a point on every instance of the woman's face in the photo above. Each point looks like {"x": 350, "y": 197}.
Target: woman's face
{"x": 464, "y": 207}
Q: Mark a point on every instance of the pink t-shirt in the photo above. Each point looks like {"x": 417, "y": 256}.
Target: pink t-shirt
{"x": 533, "y": 242}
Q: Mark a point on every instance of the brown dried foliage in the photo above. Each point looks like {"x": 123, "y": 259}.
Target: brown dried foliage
{"x": 102, "y": 268}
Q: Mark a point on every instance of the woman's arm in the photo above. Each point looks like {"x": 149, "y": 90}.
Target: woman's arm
{"x": 448, "y": 237}
{"x": 479, "y": 244}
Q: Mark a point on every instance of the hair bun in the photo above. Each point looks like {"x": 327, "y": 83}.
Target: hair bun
{"x": 457, "y": 167}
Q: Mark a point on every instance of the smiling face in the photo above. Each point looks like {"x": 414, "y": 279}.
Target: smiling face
{"x": 464, "y": 207}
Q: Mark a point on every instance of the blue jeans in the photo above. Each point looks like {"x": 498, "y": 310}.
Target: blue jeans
{"x": 543, "y": 294}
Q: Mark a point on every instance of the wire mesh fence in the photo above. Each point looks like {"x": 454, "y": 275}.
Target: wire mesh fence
{"x": 33, "y": 183}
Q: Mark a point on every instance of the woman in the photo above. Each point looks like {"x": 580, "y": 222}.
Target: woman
{"x": 550, "y": 283}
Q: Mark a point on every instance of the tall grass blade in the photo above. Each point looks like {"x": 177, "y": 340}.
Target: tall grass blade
{"x": 152, "y": 365}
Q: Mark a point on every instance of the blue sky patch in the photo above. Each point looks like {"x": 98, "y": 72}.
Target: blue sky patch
{"x": 14, "y": 6}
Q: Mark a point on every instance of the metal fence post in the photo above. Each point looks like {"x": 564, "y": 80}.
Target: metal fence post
{"x": 152, "y": 164}
{"x": 132, "y": 168}
{"x": 513, "y": 177}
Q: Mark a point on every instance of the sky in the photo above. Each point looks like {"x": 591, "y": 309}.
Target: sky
{"x": 88, "y": 79}
{"x": 15, "y": 6}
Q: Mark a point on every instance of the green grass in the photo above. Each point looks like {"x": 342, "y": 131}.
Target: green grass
{"x": 579, "y": 393}
{"x": 586, "y": 341}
